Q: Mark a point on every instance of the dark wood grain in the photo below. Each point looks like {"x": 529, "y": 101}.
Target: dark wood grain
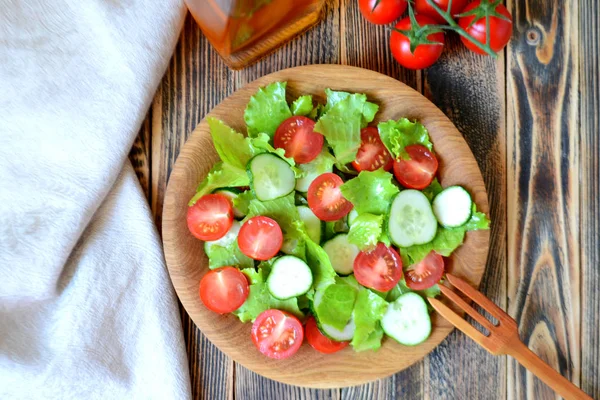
{"x": 141, "y": 155}
{"x": 459, "y": 77}
{"x": 543, "y": 190}
{"x": 589, "y": 81}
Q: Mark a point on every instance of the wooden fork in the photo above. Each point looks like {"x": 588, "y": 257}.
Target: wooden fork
{"x": 503, "y": 337}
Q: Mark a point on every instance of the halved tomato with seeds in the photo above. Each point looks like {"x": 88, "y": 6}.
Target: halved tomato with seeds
{"x": 297, "y": 137}
{"x": 210, "y": 217}
{"x": 325, "y": 198}
{"x": 379, "y": 269}
{"x": 277, "y": 334}
{"x": 425, "y": 273}
{"x": 372, "y": 153}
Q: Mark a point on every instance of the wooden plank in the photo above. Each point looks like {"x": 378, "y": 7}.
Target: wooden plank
{"x": 366, "y": 45}
{"x": 469, "y": 88}
{"x": 589, "y": 69}
{"x": 196, "y": 80}
{"x": 141, "y": 155}
{"x": 543, "y": 190}
{"x": 319, "y": 45}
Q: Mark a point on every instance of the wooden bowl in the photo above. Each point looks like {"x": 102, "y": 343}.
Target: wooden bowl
{"x": 187, "y": 262}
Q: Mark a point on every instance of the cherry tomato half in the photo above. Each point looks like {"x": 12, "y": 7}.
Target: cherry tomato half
{"x": 426, "y": 273}
{"x": 425, "y": 54}
{"x": 418, "y": 171}
{"x": 320, "y": 342}
{"x": 372, "y": 153}
{"x": 296, "y": 136}
{"x": 260, "y": 238}
{"x": 211, "y": 217}
{"x": 422, "y": 7}
{"x": 382, "y": 12}
{"x": 277, "y": 334}
{"x": 379, "y": 269}
{"x": 500, "y": 30}
{"x": 325, "y": 198}
{"x": 224, "y": 290}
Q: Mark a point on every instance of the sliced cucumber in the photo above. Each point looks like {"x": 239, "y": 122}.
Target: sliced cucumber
{"x": 226, "y": 240}
{"x": 341, "y": 253}
{"x": 270, "y": 177}
{"x": 231, "y": 194}
{"x": 289, "y": 277}
{"x": 407, "y": 320}
{"x": 352, "y": 216}
{"x": 452, "y": 207}
{"x": 323, "y": 163}
{"x": 333, "y": 333}
{"x": 314, "y": 226}
{"x": 411, "y": 219}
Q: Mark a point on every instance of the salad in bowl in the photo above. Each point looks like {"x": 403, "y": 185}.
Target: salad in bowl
{"x": 319, "y": 224}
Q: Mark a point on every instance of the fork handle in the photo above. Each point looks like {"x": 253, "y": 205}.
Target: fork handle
{"x": 546, "y": 373}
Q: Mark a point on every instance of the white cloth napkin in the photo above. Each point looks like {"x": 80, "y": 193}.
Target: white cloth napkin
{"x": 87, "y": 310}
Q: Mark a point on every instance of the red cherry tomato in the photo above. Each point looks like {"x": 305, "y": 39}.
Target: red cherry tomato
{"x": 500, "y": 30}
{"x": 379, "y": 269}
{"x": 277, "y": 334}
{"x": 426, "y": 273}
{"x": 224, "y": 290}
{"x": 425, "y": 54}
{"x": 211, "y": 217}
{"x": 382, "y": 12}
{"x": 260, "y": 238}
{"x": 372, "y": 153}
{"x": 422, "y": 7}
{"x": 418, "y": 171}
{"x": 296, "y": 136}
{"x": 320, "y": 342}
{"x": 325, "y": 198}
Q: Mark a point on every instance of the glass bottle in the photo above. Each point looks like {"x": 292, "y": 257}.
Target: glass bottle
{"x": 242, "y": 31}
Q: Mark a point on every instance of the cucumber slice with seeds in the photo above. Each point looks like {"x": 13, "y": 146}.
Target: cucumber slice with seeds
{"x": 407, "y": 320}
{"x": 341, "y": 253}
{"x": 289, "y": 277}
{"x": 453, "y": 207}
{"x": 411, "y": 219}
{"x": 270, "y": 177}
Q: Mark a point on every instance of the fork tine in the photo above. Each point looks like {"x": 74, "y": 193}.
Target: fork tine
{"x": 458, "y": 322}
{"x": 467, "y": 308}
{"x": 478, "y": 298}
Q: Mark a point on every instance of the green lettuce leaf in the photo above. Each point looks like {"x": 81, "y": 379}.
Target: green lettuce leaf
{"x": 260, "y": 299}
{"x": 284, "y": 211}
{"x": 366, "y": 231}
{"x": 255, "y": 275}
{"x": 368, "y": 311}
{"x": 478, "y": 221}
{"x": 445, "y": 242}
{"x": 396, "y": 135}
{"x": 332, "y": 228}
{"x": 336, "y": 305}
{"x": 242, "y": 201}
{"x": 267, "y": 109}
{"x": 232, "y": 147}
{"x": 231, "y": 255}
{"x": 303, "y": 105}
{"x": 319, "y": 263}
{"x": 345, "y": 114}
{"x": 433, "y": 189}
{"x": 334, "y": 97}
{"x": 370, "y": 192}
{"x": 221, "y": 175}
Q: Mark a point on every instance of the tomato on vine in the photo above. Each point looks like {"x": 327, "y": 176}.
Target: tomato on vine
{"x": 416, "y": 43}
{"x": 473, "y": 20}
{"x": 382, "y": 12}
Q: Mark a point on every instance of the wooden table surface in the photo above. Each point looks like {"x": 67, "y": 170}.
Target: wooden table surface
{"x": 531, "y": 118}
